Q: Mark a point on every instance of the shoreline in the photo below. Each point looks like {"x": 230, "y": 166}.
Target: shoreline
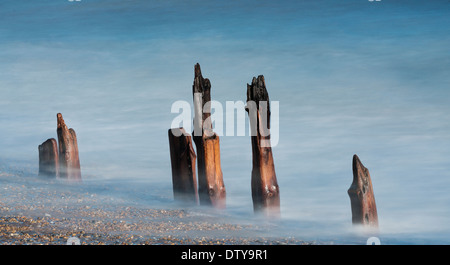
{"x": 23, "y": 230}
{"x": 37, "y": 212}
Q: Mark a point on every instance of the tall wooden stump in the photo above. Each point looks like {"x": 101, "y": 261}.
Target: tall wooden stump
{"x": 183, "y": 158}
{"x": 69, "y": 162}
{"x": 265, "y": 190}
{"x": 211, "y": 188}
{"x": 364, "y": 209}
{"x": 48, "y": 159}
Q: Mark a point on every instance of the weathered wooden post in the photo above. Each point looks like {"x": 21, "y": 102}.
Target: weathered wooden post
{"x": 48, "y": 159}
{"x": 183, "y": 158}
{"x": 211, "y": 188}
{"x": 69, "y": 162}
{"x": 265, "y": 190}
{"x": 364, "y": 209}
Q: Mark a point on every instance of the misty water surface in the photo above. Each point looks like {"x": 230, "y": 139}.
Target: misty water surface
{"x": 351, "y": 77}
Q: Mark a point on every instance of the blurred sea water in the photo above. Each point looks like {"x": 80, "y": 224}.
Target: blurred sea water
{"x": 353, "y": 77}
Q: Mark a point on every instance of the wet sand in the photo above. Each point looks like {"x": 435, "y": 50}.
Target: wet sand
{"x": 35, "y": 211}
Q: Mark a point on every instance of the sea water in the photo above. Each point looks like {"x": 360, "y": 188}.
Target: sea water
{"x": 355, "y": 77}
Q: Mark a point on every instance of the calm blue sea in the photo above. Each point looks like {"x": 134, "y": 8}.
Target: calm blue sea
{"x": 351, "y": 77}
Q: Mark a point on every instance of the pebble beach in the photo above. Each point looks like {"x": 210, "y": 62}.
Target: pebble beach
{"x": 35, "y": 211}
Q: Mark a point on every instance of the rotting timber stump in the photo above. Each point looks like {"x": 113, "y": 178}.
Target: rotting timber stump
{"x": 48, "y": 159}
{"x": 362, "y": 198}
{"x": 182, "y": 156}
{"x": 264, "y": 185}
{"x": 211, "y": 188}
{"x": 69, "y": 161}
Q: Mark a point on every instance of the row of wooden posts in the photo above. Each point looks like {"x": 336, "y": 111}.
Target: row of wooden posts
{"x": 211, "y": 188}
{"x": 264, "y": 186}
{"x": 61, "y": 160}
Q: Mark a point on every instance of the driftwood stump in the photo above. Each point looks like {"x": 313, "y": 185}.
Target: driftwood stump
{"x": 265, "y": 190}
{"x": 183, "y": 158}
{"x": 48, "y": 159}
{"x": 211, "y": 188}
{"x": 364, "y": 209}
{"x": 69, "y": 162}
{"x": 210, "y": 178}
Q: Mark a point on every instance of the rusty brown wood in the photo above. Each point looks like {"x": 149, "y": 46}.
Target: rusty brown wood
{"x": 182, "y": 156}
{"x": 264, "y": 185}
{"x": 211, "y": 188}
{"x": 69, "y": 162}
{"x": 362, "y": 198}
{"x": 48, "y": 159}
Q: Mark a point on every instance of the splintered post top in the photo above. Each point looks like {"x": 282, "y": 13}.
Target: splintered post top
{"x": 60, "y": 121}
{"x": 201, "y": 85}
{"x": 357, "y": 164}
{"x": 201, "y": 92}
{"x": 257, "y": 90}
{"x": 256, "y": 93}
{"x": 197, "y": 70}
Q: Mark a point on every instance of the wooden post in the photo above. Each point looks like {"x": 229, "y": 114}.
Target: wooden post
{"x": 69, "y": 162}
{"x": 183, "y": 158}
{"x": 364, "y": 209}
{"x": 211, "y": 188}
{"x": 265, "y": 190}
{"x": 48, "y": 159}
